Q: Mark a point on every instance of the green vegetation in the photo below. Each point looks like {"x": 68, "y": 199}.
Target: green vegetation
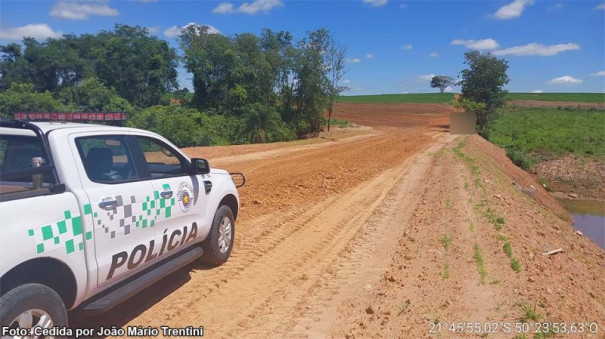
{"x": 448, "y": 98}
{"x": 446, "y": 241}
{"x": 340, "y": 123}
{"x": 569, "y": 97}
{"x": 480, "y": 264}
{"x": 445, "y": 274}
{"x": 491, "y": 217}
{"x": 436, "y": 98}
{"x": 442, "y": 82}
{"x": 482, "y": 84}
{"x": 501, "y": 237}
{"x": 519, "y": 158}
{"x": 247, "y": 88}
{"x": 534, "y": 134}
{"x": 514, "y": 263}
{"x": 529, "y": 312}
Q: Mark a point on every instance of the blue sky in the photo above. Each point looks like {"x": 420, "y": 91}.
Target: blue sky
{"x": 392, "y": 46}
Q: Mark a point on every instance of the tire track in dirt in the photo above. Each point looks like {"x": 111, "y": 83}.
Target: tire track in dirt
{"x": 271, "y": 272}
{"x": 302, "y": 208}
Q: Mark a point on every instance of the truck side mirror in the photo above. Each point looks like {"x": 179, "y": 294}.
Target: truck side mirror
{"x": 200, "y": 166}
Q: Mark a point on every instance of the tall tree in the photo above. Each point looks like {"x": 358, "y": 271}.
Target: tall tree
{"x": 442, "y": 82}
{"x": 482, "y": 83}
{"x": 211, "y": 58}
{"x": 335, "y": 62}
{"x": 311, "y": 82}
{"x": 139, "y": 66}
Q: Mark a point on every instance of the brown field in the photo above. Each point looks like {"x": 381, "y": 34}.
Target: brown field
{"x": 346, "y": 236}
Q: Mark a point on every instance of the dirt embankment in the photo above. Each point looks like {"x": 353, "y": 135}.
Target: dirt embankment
{"x": 470, "y": 206}
{"x": 381, "y": 235}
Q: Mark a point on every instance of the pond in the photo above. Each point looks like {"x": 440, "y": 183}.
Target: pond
{"x": 589, "y": 218}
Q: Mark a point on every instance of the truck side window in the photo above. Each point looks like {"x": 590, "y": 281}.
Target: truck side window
{"x": 107, "y": 159}
{"x": 161, "y": 159}
{"x": 18, "y": 153}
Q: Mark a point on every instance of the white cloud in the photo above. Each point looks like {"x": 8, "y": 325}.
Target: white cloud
{"x": 174, "y": 31}
{"x": 80, "y": 11}
{"x": 346, "y": 81}
{"x": 369, "y": 56}
{"x": 376, "y": 3}
{"x": 153, "y": 29}
{"x": 259, "y": 6}
{"x": 556, "y": 7}
{"x": 403, "y": 6}
{"x": 433, "y": 55}
{"x": 537, "y": 49}
{"x": 477, "y": 44}
{"x": 566, "y": 79}
{"x": 600, "y": 6}
{"x": 353, "y": 60}
{"x": 223, "y": 8}
{"x": 598, "y": 74}
{"x": 38, "y": 31}
{"x": 512, "y": 10}
{"x": 448, "y": 89}
{"x": 426, "y": 77}
{"x": 538, "y": 91}
{"x": 406, "y": 47}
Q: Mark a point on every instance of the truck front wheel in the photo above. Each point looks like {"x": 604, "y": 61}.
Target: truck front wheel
{"x": 217, "y": 246}
{"x": 32, "y": 305}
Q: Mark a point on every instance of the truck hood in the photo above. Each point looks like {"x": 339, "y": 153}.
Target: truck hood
{"x": 218, "y": 171}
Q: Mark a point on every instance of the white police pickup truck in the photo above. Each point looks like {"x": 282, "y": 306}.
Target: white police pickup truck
{"x": 90, "y": 215}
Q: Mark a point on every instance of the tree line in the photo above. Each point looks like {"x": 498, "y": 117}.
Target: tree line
{"x": 246, "y": 88}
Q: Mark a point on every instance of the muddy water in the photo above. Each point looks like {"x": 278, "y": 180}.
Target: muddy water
{"x": 589, "y": 218}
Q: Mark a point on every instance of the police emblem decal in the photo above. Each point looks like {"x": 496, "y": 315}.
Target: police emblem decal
{"x": 185, "y": 196}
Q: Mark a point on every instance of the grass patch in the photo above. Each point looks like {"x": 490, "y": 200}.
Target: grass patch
{"x": 470, "y": 161}
{"x": 569, "y": 97}
{"x": 519, "y": 158}
{"x": 531, "y": 134}
{"x": 491, "y": 217}
{"x": 445, "y": 274}
{"x": 514, "y": 263}
{"x": 501, "y": 237}
{"x": 480, "y": 264}
{"x": 448, "y": 98}
{"x": 446, "y": 241}
{"x": 529, "y": 313}
{"x": 339, "y": 123}
{"x": 508, "y": 249}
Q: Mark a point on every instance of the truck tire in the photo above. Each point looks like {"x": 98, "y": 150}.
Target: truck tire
{"x": 32, "y": 305}
{"x": 217, "y": 246}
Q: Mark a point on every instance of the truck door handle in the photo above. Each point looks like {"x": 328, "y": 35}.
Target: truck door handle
{"x": 166, "y": 194}
{"x": 108, "y": 205}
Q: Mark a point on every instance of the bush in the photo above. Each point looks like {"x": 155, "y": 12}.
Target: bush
{"x": 23, "y": 98}
{"x": 519, "y": 158}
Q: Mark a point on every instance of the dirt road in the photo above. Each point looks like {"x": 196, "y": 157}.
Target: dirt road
{"x": 346, "y": 236}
